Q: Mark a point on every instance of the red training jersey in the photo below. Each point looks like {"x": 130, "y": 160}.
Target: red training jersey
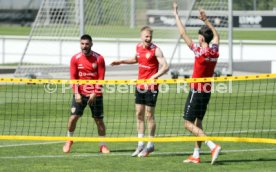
{"x": 204, "y": 65}
{"x": 148, "y": 64}
{"x": 87, "y": 68}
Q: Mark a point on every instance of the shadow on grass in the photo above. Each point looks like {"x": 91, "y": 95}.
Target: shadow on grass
{"x": 236, "y": 161}
{"x": 155, "y": 153}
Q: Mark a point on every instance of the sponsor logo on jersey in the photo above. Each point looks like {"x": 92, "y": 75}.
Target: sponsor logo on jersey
{"x": 88, "y": 74}
{"x": 80, "y": 66}
{"x": 144, "y": 66}
{"x": 210, "y": 59}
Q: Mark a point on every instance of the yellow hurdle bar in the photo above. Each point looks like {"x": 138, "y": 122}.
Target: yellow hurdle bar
{"x": 134, "y": 81}
{"x": 135, "y": 139}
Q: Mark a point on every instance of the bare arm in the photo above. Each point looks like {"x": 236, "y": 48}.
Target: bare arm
{"x": 162, "y": 61}
{"x": 74, "y": 76}
{"x": 101, "y": 75}
{"x": 125, "y": 61}
{"x": 101, "y": 68}
{"x": 203, "y": 17}
{"x": 181, "y": 27}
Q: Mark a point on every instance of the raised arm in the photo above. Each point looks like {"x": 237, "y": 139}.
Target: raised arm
{"x": 180, "y": 26}
{"x": 162, "y": 61}
{"x": 125, "y": 61}
{"x": 203, "y": 17}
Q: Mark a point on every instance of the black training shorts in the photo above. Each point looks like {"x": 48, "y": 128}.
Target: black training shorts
{"x": 146, "y": 97}
{"x": 96, "y": 108}
{"x": 196, "y": 105}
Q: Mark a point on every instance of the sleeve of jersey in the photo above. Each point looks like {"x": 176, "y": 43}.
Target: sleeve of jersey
{"x": 215, "y": 50}
{"x": 194, "y": 48}
{"x": 101, "y": 72}
{"x": 74, "y": 74}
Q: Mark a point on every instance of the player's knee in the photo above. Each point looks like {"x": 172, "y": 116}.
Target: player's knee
{"x": 74, "y": 118}
{"x": 140, "y": 114}
{"x": 140, "y": 117}
{"x": 187, "y": 124}
{"x": 150, "y": 115}
{"x": 198, "y": 122}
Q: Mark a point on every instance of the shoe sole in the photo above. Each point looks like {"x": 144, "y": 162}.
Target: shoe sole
{"x": 136, "y": 154}
{"x": 216, "y": 157}
{"x": 104, "y": 150}
{"x": 143, "y": 155}
{"x": 147, "y": 154}
{"x": 67, "y": 150}
{"x": 195, "y": 162}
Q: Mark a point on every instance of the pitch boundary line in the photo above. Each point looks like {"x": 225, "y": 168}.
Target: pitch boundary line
{"x": 30, "y": 144}
{"x": 124, "y": 154}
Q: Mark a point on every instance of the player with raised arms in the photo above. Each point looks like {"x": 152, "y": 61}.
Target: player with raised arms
{"x": 205, "y": 61}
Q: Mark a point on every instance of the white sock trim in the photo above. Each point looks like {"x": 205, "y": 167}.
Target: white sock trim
{"x": 70, "y": 134}
{"x": 141, "y": 143}
{"x": 196, "y": 152}
{"x": 210, "y": 144}
{"x": 102, "y": 143}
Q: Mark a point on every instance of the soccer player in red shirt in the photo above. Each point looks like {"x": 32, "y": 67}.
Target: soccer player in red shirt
{"x": 148, "y": 56}
{"x": 86, "y": 65}
{"x": 205, "y": 61}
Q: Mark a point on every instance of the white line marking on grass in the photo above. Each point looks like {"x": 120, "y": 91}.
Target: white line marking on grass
{"x": 243, "y": 131}
{"x": 124, "y": 154}
{"x": 29, "y": 144}
{"x": 223, "y": 132}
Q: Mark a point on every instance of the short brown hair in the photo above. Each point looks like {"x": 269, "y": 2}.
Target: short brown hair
{"x": 146, "y": 28}
{"x": 86, "y": 37}
{"x": 207, "y": 33}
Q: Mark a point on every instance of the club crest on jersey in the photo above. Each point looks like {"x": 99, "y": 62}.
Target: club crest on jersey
{"x": 94, "y": 65}
{"x": 147, "y": 55}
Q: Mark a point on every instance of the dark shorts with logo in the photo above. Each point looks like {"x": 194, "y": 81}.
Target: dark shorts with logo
{"x": 146, "y": 97}
{"x": 96, "y": 108}
{"x": 196, "y": 105}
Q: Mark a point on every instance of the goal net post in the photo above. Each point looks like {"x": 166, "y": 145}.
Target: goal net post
{"x": 57, "y": 24}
